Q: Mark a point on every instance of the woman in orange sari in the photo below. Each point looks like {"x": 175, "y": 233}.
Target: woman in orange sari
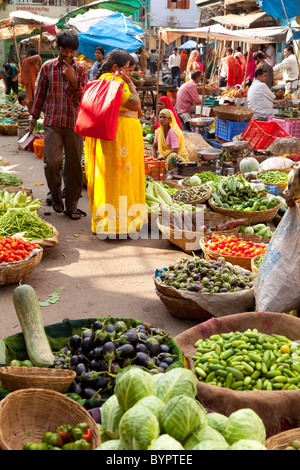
{"x": 29, "y": 71}
{"x": 235, "y": 73}
{"x": 184, "y": 61}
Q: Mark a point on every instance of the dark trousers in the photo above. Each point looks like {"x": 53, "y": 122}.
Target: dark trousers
{"x": 175, "y": 73}
{"x": 11, "y": 85}
{"x": 57, "y": 140}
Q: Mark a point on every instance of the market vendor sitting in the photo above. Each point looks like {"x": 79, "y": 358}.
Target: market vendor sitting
{"x": 169, "y": 141}
{"x": 188, "y": 97}
{"x": 260, "y": 98}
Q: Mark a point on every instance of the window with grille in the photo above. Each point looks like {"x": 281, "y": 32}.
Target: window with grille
{"x": 179, "y": 4}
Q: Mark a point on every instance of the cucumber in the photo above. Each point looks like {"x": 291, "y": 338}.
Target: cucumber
{"x": 28, "y": 311}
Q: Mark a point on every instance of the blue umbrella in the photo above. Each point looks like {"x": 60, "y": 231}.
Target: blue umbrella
{"x": 114, "y": 32}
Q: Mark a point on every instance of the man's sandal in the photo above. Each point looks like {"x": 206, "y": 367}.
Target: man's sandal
{"x": 75, "y": 215}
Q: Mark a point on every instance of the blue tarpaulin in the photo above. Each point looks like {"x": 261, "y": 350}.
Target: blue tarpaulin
{"x": 275, "y": 9}
{"x": 113, "y": 32}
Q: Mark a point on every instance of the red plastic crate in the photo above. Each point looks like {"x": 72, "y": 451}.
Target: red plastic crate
{"x": 260, "y": 134}
{"x": 292, "y": 126}
{"x": 156, "y": 170}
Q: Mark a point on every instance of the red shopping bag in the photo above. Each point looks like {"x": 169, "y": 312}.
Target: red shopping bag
{"x": 98, "y": 110}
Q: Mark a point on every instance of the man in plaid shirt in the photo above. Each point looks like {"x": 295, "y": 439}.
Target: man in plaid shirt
{"x": 59, "y": 89}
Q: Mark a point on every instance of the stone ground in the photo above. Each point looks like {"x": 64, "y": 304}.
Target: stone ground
{"x": 98, "y": 277}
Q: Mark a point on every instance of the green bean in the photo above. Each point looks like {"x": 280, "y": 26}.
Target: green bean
{"x": 248, "y": 360}
{"x": 24, "y": 221}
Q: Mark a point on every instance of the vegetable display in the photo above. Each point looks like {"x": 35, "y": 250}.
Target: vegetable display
{"x": 104, "y": 349}
{"x": 206, "y": 177}
{"x": 6, "y": 179}
{"x": 249, "y": 165}
{"x": 27, "y": 222}
{"x": 248, "y": 360}
{"x": 198, "y": 275}
{"x": 167, "y": 416}
{"x": 261, "y": 230}
{"x": 29, "y": 315}
{"x": 18, "y": 200}
{"x": 274, "y": 177}
{"x": 234, "y": 246}
{"x": 190, "y": 195}
{"x": 238, "y": 194}
{"x": 15, "y": 249}
{"x": 65, "y": 437}
{"x": 157, "y": 195}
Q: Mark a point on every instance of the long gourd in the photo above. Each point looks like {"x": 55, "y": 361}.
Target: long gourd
{"x": 28, "y": 311}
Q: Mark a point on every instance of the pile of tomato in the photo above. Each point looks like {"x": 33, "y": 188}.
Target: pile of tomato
{"x": 15, "y": 249}
{"x": 233, "y": 246}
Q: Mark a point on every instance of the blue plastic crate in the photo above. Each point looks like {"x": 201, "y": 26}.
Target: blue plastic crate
{"x": 226, "y": 130}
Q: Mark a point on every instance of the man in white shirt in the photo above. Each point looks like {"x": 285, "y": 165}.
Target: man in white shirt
{"x": 174, "y": 66}
{"x": 260, "y": 98}
{"x": 270, "y": 54}
{"x": 289, "y": 68}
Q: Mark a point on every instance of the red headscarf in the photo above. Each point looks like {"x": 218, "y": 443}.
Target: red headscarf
{"x": 167, "y": 102}
{"x": 235, "y": 72}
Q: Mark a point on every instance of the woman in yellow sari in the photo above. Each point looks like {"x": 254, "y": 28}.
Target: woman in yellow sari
{"x": 169, "y": 141}
{"x": 115, "y": 170}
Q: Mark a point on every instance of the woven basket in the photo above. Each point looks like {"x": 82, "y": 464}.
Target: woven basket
{"x": 197, "y": 201}
{"x": 15, "y": 378}
{"x": 12, "y": 273}
{"x": 183, "y": 308}
{"x": 47, "y": 243}
{"x": 25, "y": 415}
{"x": 243, "y": 262}
{"x": 279, "y": 185}
{"x": 233, "y": 113}
{"x": 172, "y": 184}
{"x": 8, "y": 129}
{"x": 283, "y": 439}
{"x": 253, "y": 217}
{"x": 184, "y": 238}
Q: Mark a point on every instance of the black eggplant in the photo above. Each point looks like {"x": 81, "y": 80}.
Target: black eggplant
{"x": 153, "y": 345}
{"x": 74, "y": 342}
{"x": 90, "y": 393}
{"x": 130, "y": 336}
{"x": 109, "y": 352}
{"x": 125, "y": 351}
{"x": 97, "y": 325}
{"x": 145, "y": 360}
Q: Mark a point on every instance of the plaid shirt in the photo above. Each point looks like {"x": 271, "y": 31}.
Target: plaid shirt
{"x": 55, "y": 95}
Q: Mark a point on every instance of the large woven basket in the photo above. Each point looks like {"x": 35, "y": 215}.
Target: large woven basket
{"x": 25, "y": 415}
{"x": 283, "y": 439}
{"x": 233, "y": 113}
{"x": 47, "y": 243}
{"x": 183, "y": 308}
{"x": 15, "y": 378}
{"x": 8, "y": 129}
{"x": 189, "y": 241}
{"x": 279, "y": 185}
{"x": 243, "y": 262}
{"x": 196, "y": 201}
{"x": 253, "y": 217}
{"x": 14, "y": 272}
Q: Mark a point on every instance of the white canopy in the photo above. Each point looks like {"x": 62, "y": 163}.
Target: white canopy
{"x": 26, "y": 17}
{"x": 82, "y": 22}
{"x": 276, "y": 34}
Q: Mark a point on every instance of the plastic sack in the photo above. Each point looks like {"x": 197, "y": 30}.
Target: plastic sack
{"x": 99, "y": 109}
{"x": 38, "y": 148}
{"x": 277, "y": 287}
{"x": 276, "y": 163}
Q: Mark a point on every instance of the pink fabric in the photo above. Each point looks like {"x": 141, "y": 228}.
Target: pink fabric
{"x": 187, "y": 95}
{"x": 171, "y": 139}
{"x": 251, "y": 67}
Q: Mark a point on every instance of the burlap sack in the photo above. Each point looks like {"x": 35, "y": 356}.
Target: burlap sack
{"x": 279, "y": 410}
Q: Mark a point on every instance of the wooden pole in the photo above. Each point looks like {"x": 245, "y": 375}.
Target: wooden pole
{"x": 247, "y": 64}
{"x": 16, "y": 47}
{"x": 158, "y": 70}
{"x": 205, "y": 73}
{"x": 214, "y": 61}
{"x": 292, "y": 35}
{"x": 40, "y": 40}
{"x": 199, "y": 26}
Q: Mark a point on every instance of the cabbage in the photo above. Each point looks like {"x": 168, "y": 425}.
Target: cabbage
{"x": 194, "y": 180}
{"x": 205, "y": 434}
{"x": 211, "y": 445}
{"x": 165, "y": 442}
{"x": 138, "y": 427}
{"x": 175, "y": 382}
{"x": 244, "y": 424}
{"x": 217, "y": 421}
{"x": 154, "y": 404}
{"x": 114, "y": 444}
{"x": 111, "y": 413}
{"x": 181, "y": 417}
{"x": 132, "y": 385}
{"x": 247, "y": 444}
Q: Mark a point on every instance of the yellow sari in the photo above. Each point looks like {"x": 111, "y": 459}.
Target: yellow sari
{"x": 163, "y": 148}
{"x": 115, "y": 173}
